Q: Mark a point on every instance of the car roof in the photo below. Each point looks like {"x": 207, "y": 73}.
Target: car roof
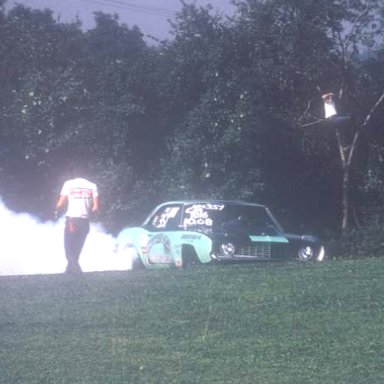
{"x": 211, "y": 201}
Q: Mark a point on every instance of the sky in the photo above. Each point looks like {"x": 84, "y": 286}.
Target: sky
{"x": 151, "y": 16}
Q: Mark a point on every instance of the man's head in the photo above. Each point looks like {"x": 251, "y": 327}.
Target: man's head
{"x": 77, "y": 167}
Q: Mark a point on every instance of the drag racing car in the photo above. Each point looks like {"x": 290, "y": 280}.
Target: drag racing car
{"x": 180, "y": 233}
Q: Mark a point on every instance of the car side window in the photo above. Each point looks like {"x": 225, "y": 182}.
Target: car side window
{"x": 167, "y": 217}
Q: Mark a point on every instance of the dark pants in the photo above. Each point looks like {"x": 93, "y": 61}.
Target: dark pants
{"x": 75, "y": 233}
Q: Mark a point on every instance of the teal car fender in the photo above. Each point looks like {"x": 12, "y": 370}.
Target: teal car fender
{"x": 131, "y": 242}
{"x": 164, "y": 249}
{"x": 199, "y": 243}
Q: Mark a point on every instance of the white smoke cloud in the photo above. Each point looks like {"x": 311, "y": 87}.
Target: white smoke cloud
{"x": 29, "y": 246}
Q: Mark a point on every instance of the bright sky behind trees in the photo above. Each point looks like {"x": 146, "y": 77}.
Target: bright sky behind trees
{"x": 151, "y": 16}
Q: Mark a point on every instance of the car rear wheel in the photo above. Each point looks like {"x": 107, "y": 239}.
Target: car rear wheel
{"x": 189, "y": 256}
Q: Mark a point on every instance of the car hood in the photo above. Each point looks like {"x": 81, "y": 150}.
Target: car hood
{"x": 309, "y": 238}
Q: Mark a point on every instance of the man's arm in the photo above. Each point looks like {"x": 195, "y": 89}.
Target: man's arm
{"x": 61, "y": 202}
{"x": 95, "y": 204}
{"x": 60, "y": 205}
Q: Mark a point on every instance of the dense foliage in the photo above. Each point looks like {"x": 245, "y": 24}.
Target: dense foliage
{"x": 227, "y": 108}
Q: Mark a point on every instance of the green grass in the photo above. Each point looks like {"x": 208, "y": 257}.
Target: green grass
{"x": 284, "y": 323}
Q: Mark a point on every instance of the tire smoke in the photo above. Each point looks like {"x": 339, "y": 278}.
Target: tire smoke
{"x": 29, "y": 246}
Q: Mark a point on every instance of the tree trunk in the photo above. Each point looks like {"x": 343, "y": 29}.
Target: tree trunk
{"x": 345, "y": 200}
{"x": 347, "y": 155}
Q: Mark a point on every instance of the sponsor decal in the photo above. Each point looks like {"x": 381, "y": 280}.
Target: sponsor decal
{"x": 191, "y": 236}
{"x": 80, "y": 193}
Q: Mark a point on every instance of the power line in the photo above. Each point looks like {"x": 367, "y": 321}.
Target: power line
{"x": 157, "y": 10}
{"x": 149, "y": 10}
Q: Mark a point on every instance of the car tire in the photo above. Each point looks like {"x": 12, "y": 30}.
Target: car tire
{"x": 137, "y": 264}
{"x": 189, "y": 257}
{"x": 306, "y": 253}
{"x": 309, "y": 253}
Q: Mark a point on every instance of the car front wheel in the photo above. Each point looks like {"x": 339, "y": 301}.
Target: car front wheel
{"x": 137, "y": 264}
{"x": 308, "y": 253}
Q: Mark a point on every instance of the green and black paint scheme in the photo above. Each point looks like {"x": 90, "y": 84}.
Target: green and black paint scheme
{"x": 180, "y": 233}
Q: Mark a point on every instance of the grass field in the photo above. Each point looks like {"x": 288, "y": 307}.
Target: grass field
{"x": 284, "y": 323}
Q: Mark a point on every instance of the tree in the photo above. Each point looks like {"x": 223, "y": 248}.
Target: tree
{"x": 315, "y": 47}
{"x": 354, "y": 29}
{"x": 225, "y": 145}
{"x": 36, "y": 80}
{"x": 122, "y": 112}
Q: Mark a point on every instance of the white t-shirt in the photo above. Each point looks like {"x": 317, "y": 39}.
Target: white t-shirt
{"x": 80, "y": 193}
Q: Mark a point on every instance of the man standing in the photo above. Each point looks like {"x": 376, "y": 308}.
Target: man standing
{"x": 81, "y": 198}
